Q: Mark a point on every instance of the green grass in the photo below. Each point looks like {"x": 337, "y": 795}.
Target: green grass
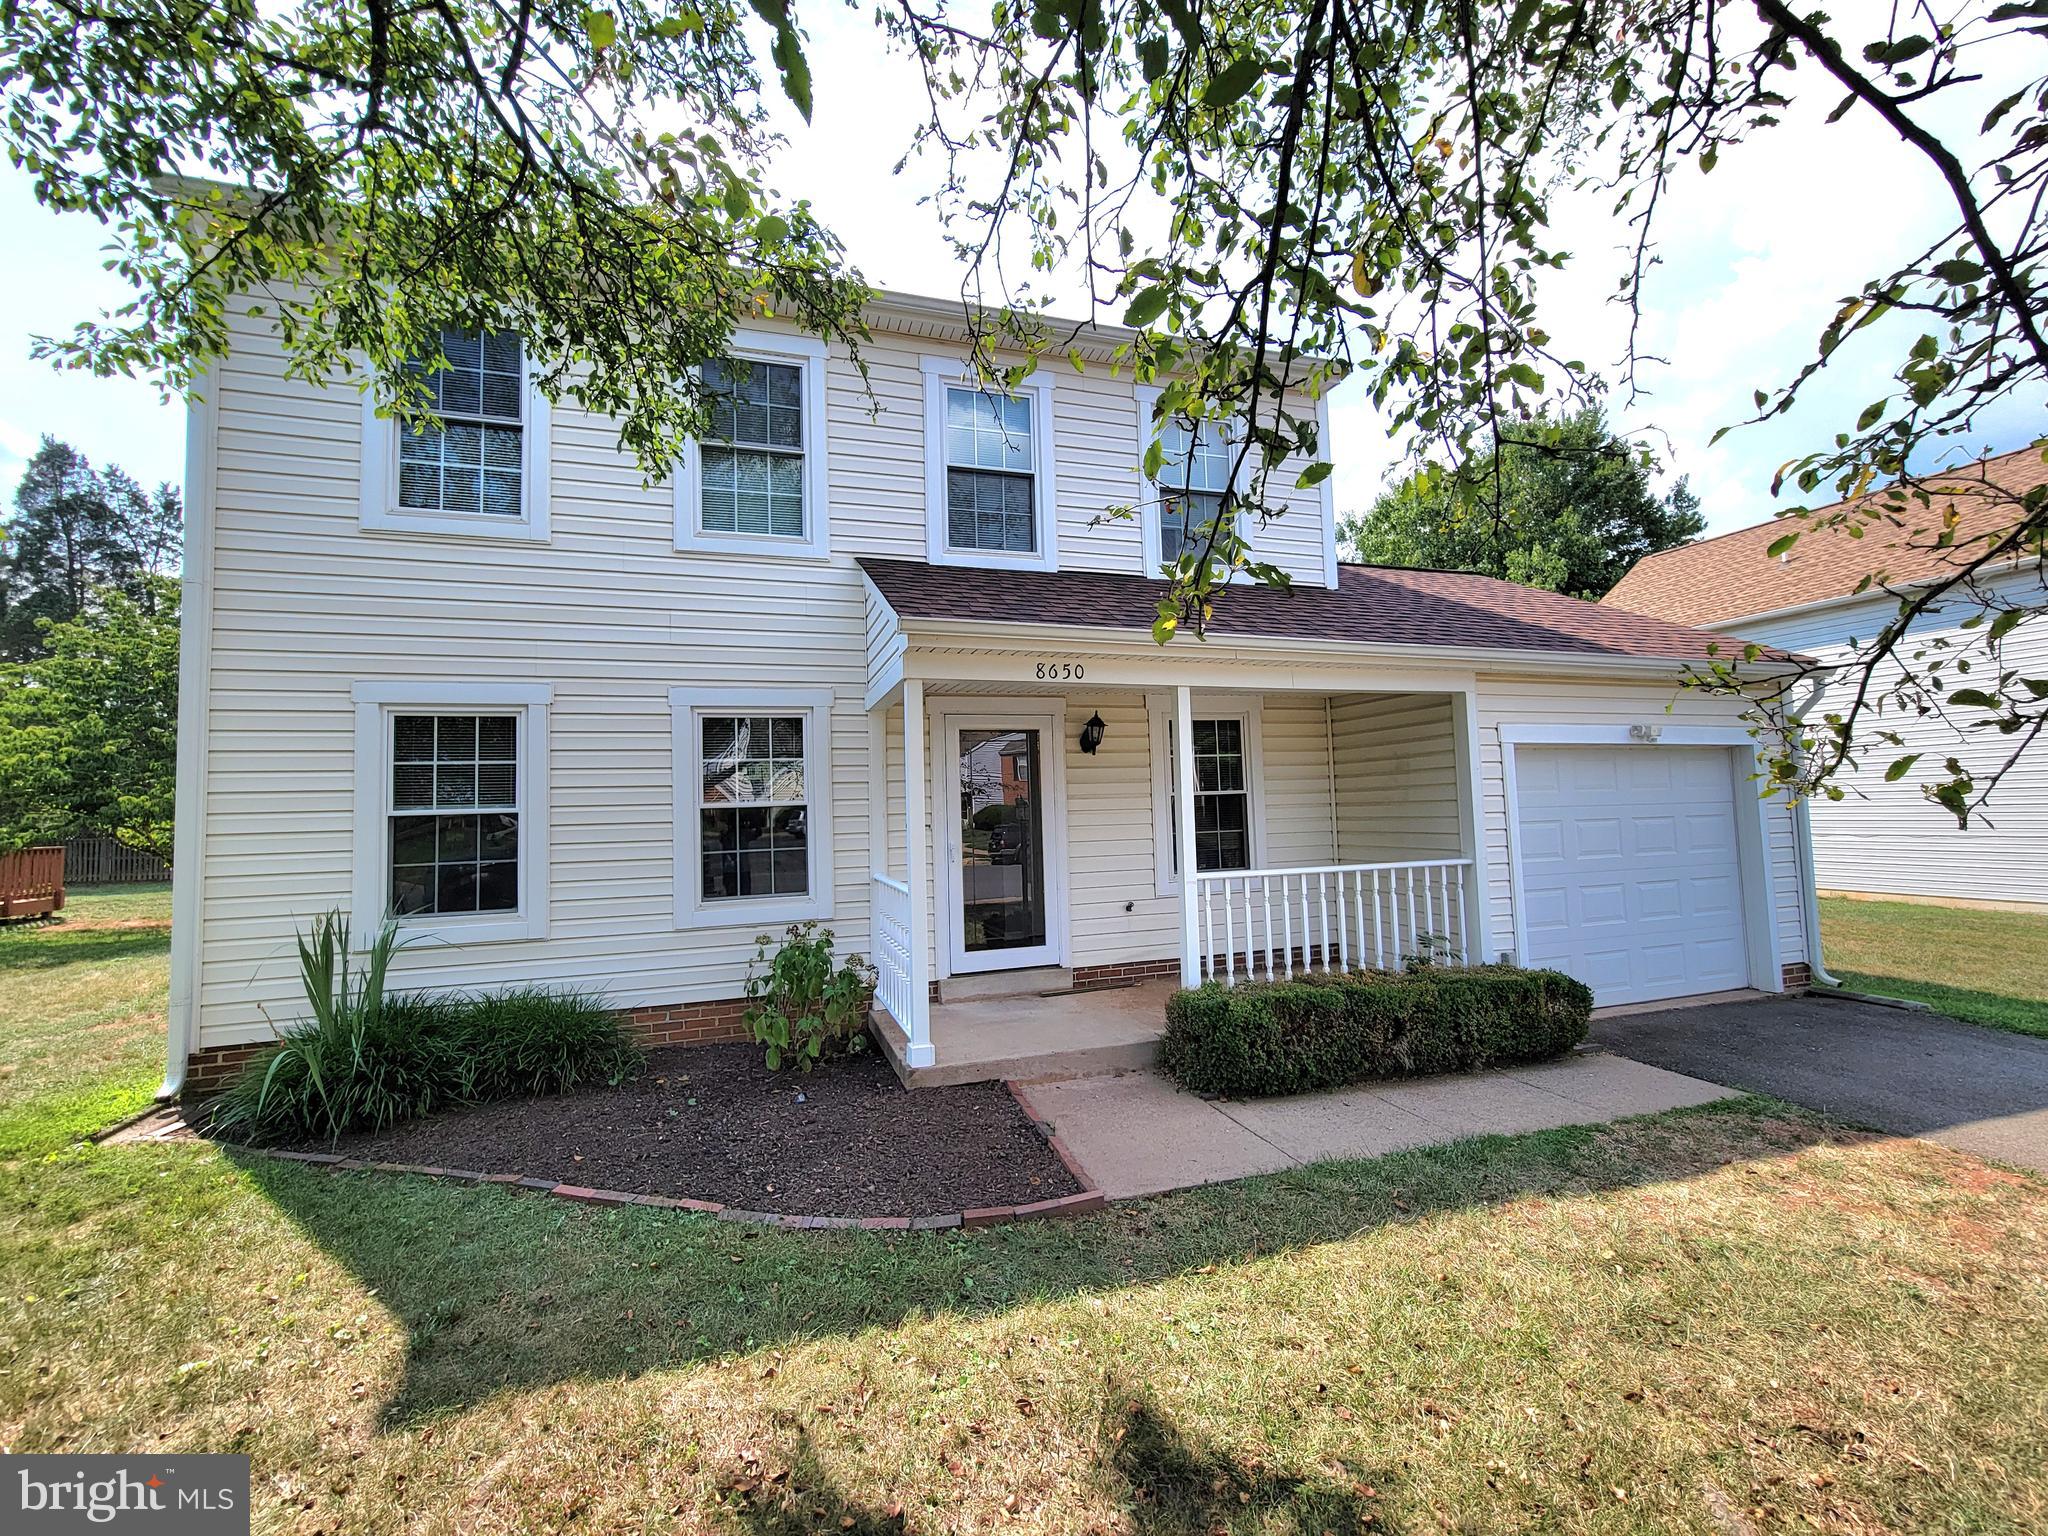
{"x": 1734, "y": 1318}
{"x": 81, "y": 1025}
{"x": 1980, "y": 967}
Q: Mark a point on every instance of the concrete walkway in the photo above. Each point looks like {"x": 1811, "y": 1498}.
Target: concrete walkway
{"x": 1915, "y": 1074}
{"x": 1138, "y": 1134}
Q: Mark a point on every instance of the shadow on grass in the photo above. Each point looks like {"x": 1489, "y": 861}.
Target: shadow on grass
{"x": 500, "y": 1289}
{"x": 1170, "y": 1483}
{"x": 47, "y": 948}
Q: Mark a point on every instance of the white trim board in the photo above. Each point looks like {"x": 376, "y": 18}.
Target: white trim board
{"x": 1759, "y": 926}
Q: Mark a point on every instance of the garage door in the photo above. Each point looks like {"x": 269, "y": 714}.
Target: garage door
{"x": 1631, "y": 879}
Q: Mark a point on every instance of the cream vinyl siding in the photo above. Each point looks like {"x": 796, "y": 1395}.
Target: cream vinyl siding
{"x": 1396, "y": 785}
{"x": 1889, "y": 839}
{"x": 1573, "y": 701}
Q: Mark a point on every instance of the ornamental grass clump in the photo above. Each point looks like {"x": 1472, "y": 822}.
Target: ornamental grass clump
{"x": 1266, "y": 1038}
{"x": 364, "y": 1058}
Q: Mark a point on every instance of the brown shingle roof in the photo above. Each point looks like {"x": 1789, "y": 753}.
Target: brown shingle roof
{"x": 1732, "y": 576}
{"x": 1372, "y": 605}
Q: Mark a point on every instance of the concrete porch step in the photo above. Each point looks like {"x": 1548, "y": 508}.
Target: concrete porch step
{"x": 1075, "y": 1034}
{"x": 1032, "y": 981}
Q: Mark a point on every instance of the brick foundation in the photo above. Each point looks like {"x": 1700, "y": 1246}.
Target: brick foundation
{"x": 1796, "y": 977}
{"x": 1091, "y": 978}
{"x": 208, "y": 1071}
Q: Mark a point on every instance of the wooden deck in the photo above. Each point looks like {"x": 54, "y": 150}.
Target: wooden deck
{"x": 31, "y": 883}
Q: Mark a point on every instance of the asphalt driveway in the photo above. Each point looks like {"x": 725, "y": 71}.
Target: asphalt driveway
{"x": 1916, "y": 1074}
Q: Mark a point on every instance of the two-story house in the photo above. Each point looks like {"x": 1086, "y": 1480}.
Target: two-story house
{"x": 875, "y": 656}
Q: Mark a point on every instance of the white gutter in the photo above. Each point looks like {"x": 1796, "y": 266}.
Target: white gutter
{"x": 195, "y": 645}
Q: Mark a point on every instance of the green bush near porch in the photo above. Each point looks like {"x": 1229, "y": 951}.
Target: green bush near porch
{"x": 1265, "y": 1038}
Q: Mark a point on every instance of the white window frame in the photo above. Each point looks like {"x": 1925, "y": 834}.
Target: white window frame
{"x": 379, "y": 509}
{"x": 1149, "y": 519}
{"x": 686, "y": 707}
{"x": 377, "y": 704}
{"x": 941, "y": 374}
{"x": 806, "y": 353}
{"x": 1159, "y": 718}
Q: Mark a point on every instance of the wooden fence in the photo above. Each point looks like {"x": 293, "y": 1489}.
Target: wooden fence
{"x": 31, "y": 882}
{"x": 102, "y": 861}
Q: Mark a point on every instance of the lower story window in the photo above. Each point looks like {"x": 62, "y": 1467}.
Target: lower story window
{"x": 754, "y": 821}
{"x": 1223, "y": 822}
{"x": 454, "y": 814}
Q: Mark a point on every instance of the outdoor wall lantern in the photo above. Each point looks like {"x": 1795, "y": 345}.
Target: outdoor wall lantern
{"x": 1092, "y": 734}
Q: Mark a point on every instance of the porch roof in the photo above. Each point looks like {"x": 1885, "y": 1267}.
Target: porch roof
{"x": 1371, "y": 606}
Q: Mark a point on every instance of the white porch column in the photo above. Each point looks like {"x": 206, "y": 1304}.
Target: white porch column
{"x": 918, "y": 872}
{"x": 1184, "y": 832}
{"x": 1471, "y": 771}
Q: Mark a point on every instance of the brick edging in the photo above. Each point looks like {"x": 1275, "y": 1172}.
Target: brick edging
{"x": 1089, "y": 1199}
{"x": 1045, "y": 1128}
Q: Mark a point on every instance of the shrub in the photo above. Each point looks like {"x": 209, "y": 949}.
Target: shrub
{"x": 1265, "y": 1038}
{"x": 363, "y": 1059}
{"x": 800, "y": 1005}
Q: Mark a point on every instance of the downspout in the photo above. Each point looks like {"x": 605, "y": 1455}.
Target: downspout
{"x": 195, "y": 639}
{"x": 1809, "y": 890}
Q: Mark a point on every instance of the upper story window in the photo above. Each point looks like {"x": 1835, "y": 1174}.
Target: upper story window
{"x": 1194, "y": 477}
{"x": 482, "y": 470}
{"x": 452, "y": 809}
{"x": 991, "y": 500}
{"x": 989, "y": 471}
{"x": 755, "y": 483}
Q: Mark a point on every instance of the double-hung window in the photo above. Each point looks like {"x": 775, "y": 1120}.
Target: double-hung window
{"x": 989, "y": 471}
{"x": 451, "y": 808}
{"x": 753, "y": 817}
{"x": 1194, "y": 478}
{"x": 474, "y": 461}
{"x": 1181, "y": 505}
{"x": 755, "y": 482}
{"x": 1228, "y": 810}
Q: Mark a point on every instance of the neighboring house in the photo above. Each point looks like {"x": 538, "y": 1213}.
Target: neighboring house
{"x": 578, "y": 729}
{"x": 1884, "y": 839}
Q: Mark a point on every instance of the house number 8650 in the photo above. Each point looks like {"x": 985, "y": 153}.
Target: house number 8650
{"x": 1061, "y": 671}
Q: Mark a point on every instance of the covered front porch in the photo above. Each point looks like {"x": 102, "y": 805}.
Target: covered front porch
{"x": 1028, "y": 911}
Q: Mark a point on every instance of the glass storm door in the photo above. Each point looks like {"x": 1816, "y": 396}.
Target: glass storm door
{"x": 999, "y": 842}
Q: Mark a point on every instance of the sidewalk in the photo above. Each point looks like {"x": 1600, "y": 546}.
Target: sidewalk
{"x": 1137, "y": 1134}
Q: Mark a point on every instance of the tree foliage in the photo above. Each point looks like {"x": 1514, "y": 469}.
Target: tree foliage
{"x": 1576, "y": 509}
{"x": 1293, "y": 191}
{"x": 592, "y": 177}
{"x": 77, "y": 530}
{"x": 88, "y": 730}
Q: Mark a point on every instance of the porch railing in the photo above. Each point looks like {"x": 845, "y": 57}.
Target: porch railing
{"x": 889, "y": 904}
{"x": 1269, "y": 924}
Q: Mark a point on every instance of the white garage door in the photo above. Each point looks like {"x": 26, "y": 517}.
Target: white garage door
{"x": 1631, "y": 879}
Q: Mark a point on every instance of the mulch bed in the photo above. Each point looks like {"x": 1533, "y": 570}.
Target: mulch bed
{"x": 711, "y": 1122}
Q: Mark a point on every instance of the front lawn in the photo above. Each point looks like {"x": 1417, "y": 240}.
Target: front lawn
{"x": 1729, "y": 1319}
{"x": 1981, "y": 967}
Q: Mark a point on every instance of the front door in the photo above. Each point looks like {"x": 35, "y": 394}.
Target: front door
{"x": 1001, "y": 841}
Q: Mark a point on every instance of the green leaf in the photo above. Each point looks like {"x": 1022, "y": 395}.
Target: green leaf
{"x": 1152, "y": 58}
{"x": 1871, "y": 413}
{"x": 1901, "y": 768}
{"x": 1958, "y": 270}
{"x": 1315, "y": 474}
{"x": 789, "y": 58}
{"x": 773, "y": 229}
{"x": 1780, "y": 545}
{"x": 601, "y": 27}
{"x": 2007, "y": 620}
{"x": 1710, "y": 157}
{"x": 1975, "y": 698}
{"x": 1147, "y": 306}
{"x": 1232, "y": 84}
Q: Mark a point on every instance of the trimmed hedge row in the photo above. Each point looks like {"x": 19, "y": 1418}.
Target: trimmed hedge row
{"x": 1265, "y": 1038}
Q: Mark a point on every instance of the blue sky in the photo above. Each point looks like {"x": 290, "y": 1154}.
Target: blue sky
{"x": 1754, "y": 258}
